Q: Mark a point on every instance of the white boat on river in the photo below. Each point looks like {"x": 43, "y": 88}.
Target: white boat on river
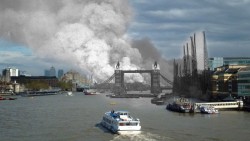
{"x": 121, "y": 122}
{"x": 208, "y": 110}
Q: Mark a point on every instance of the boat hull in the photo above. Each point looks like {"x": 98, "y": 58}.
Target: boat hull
{"x": 181, "y": 105}
{"x": 208, "y": 110}
{"x": 86, "y": 93}
{"x": 122, "y": 130}
{"x": 89, "y": 92}
{"x": 178, "y": 108}
{"x": 8, "y": 98}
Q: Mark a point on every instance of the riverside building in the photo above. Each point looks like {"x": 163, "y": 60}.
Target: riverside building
{"x": 244, "y": 81}
{"x": 8, "y": 73}
{"x": 52, "y": 81}
{"x": 231, "y": 80}
{"x": 222, "y": 61}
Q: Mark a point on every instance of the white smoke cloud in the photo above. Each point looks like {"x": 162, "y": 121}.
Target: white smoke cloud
{"x": 88, "y": 35}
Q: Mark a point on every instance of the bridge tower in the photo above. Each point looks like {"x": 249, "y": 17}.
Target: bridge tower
{"x": 155, "y": 79}
{"x": 119, "y": 87}
{"x": 119, "y": 80}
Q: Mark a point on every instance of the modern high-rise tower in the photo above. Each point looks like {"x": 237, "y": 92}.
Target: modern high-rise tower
{"x": 60, "y": 73}
{"x": 9, "y": 72}
{"x": 195, "y": 54}
{"x": 50, "y": 72}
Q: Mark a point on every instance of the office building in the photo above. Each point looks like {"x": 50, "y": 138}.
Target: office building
{"x": 244, "y": 82}
{"x": 9, "y": 72}
{"x": 222, "y": 61}
{"x": 52, "y": 81}
{"x": 231, "y": 80}
{"x": 60, "y": 73}
{"x": 50, "y": 72}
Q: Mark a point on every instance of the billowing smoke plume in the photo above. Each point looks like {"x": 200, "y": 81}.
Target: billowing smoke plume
{"x": 87, "y": 34}
{"x": 150, "y": 54}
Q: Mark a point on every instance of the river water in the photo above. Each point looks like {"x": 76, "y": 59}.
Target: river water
{"x": 77, "y": 117}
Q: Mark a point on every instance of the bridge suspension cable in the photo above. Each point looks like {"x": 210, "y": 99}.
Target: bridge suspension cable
{"x": 163, "y": 77}
{"x": 109, "y": 79}
{"x": 105, "y": 84}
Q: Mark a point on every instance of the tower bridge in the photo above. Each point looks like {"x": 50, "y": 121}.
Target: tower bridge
{"x": 120, "y": 88}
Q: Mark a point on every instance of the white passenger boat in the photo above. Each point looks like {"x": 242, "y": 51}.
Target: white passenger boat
{"x": 208, "y": 110}
{"x": 121, "y": 122}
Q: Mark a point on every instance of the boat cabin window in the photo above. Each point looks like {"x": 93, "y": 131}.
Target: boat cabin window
{"x": 131, "y": 124}
{"x": 128, "y": 124}
{"x": 123, "y": 113}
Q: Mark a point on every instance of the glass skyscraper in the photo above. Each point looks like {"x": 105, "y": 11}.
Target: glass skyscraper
{"x": 222, "y": 61}
{"x": 244, "y": 82}
{"x": 60, "y": 73}
{"x": 50, "y": 72}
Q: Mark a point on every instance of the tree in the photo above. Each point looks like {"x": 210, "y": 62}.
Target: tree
{"x": 65, "y": 85}
{"x": 37, "y": 85}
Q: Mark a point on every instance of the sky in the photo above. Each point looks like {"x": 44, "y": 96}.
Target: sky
{"x": 170, "y": 23}
{"x": 37, "y": 35}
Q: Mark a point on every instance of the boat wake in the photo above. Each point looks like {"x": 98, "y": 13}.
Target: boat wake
{"x": 143, "y": 136}
{"x": 69, "y": 93}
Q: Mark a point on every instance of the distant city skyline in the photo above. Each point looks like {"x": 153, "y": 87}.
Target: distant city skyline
{"x": 52, "y": 71}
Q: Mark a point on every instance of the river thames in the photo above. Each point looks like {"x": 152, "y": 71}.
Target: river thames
{"x": 77, "y": 118}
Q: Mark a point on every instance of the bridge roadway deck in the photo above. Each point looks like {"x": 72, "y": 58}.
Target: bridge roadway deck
{"x": 137, "y": 71}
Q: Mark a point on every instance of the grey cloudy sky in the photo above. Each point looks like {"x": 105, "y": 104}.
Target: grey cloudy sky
{"x": 169, "y": 23}
{"x": 166, "y": 24}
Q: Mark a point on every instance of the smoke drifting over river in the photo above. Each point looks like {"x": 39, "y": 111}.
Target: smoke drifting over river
{"x": 89, "y": 35}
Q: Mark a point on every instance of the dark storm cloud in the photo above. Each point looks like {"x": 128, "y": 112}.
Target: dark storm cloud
{"x": 146, "y": 48}
{"x": 170, "y": 23}
{"x": 150, "y": 54}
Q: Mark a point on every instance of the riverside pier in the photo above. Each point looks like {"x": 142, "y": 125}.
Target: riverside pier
{"x": 220, "y": 105}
